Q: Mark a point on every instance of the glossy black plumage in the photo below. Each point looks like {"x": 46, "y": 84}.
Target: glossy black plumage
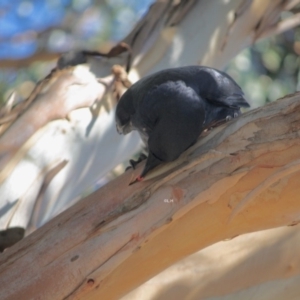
{"x": 172, "y": 107}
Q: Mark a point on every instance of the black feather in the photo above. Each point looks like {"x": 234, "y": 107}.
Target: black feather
{"x": 172, "y": 107}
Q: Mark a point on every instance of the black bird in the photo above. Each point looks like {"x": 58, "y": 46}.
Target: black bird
{"x": 172, "y": 107}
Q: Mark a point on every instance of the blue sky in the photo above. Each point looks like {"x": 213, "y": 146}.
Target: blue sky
{"x": 20, "y": 21}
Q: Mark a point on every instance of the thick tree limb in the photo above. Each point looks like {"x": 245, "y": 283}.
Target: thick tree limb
{"x": 121, "y": 235}
{"x": 259, "y": 265}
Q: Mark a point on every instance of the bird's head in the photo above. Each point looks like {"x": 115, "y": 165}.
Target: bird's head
{"x": 124, "y": 112}
{"x": 124, "y": 125}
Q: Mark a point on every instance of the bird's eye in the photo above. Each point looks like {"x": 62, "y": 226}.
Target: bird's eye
{"x": 123, "y": 118}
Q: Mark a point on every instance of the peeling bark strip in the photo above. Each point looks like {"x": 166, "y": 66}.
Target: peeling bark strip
{"x": 78, "y": 255}
{"x": 61, "y": 93}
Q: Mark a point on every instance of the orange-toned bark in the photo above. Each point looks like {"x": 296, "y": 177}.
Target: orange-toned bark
{"x": 120, "y": 236}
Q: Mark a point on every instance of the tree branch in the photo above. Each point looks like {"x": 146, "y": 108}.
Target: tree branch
{"x": 121, "y": 235}
{"x": 258, "y": 265}
{"x": 25, "y": 62}
{"x": 281, "y": 27}
{"x": 55, "y": 97}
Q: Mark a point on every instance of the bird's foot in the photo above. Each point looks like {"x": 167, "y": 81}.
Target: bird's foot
{"x": 134, "y": 163}
{"x": 229, "y": 118}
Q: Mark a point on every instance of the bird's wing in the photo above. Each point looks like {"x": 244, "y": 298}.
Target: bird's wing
{"x": 176, "y": 114}
{"x": 220, "y": 89}
{"x": 234, "y": 100}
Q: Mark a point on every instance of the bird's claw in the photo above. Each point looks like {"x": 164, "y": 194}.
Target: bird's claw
{"x": 128, "y": 168}
{"x": 134, "y": 163}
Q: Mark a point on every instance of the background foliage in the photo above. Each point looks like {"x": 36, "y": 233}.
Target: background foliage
{"x": 34, "y": 33}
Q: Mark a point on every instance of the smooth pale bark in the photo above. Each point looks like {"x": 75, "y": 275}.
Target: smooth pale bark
{"x": 122, "y": 235}
{"x": 260, "y": 265}
{"x": 86, "y": 147}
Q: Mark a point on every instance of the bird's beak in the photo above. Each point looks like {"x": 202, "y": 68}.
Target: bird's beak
{"x": 124, "y": 129}
{"x": 119, "y": 129}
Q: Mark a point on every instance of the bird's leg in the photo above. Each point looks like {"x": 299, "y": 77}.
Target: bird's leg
{"x": 151, "y": 163}
{"x": 134, "y": 163}
{"x": 229, "y": 118}
{"x": 223, "y": 121}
